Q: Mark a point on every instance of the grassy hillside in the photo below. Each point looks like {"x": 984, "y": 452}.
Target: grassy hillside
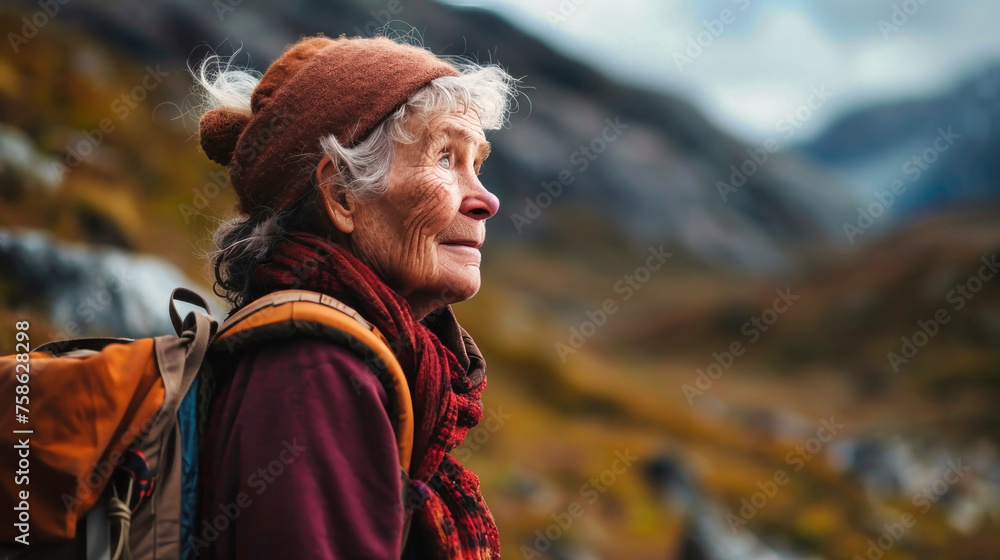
{"x": 623, "y": 390}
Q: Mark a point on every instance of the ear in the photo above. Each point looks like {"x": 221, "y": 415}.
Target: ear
{"x": 335, "y": 197}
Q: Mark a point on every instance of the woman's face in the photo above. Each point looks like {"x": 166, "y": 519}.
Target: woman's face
{"x": 423, "y": 235}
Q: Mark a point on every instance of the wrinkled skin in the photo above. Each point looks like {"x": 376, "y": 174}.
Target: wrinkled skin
{"x": 422, "y": 236}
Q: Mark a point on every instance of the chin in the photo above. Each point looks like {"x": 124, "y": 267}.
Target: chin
{"x": 464, "y": 291}
{"x": 461, "y": 287}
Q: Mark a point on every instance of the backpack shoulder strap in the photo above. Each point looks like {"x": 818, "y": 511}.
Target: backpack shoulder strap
{"x": 288, "y": 312}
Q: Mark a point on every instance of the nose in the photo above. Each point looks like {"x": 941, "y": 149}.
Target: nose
{"x": 479, "y": 203}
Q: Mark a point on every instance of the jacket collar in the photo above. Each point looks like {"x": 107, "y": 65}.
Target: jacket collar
{"x": 443, "y": 323}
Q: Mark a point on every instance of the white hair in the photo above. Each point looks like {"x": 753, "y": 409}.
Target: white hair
{"x": 488, "y": 90}
{"x": 220, "y": 83}
{"x": 362, "y": 168}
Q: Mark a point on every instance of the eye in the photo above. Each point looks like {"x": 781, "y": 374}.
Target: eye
{"x": 445, "y": 162}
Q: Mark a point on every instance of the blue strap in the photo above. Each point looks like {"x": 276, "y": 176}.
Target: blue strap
{"x": 187, "y": 417}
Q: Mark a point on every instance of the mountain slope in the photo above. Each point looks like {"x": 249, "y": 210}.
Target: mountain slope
{"x": 647, "y": 162}
{"x": 874, "y": 146}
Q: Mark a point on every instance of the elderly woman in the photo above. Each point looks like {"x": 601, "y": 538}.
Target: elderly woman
{"x": 356, "y": 165}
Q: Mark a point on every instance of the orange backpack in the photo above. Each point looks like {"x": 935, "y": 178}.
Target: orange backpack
{"x": 98, "y": 464}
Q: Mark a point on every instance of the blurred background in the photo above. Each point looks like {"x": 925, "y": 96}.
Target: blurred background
{"x": 739, "y": 300}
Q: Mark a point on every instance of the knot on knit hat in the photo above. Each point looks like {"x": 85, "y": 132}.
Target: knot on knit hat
{"x": 219, "y": 132}
{"x": 318, "y": 87}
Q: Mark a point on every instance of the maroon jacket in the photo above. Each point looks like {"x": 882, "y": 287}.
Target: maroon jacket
{"x": 300, "y": 459}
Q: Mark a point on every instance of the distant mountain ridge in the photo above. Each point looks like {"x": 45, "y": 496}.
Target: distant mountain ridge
{"x": 873, "y": 146}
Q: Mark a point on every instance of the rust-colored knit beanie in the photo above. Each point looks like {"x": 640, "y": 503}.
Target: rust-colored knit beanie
{"x": 319, "y": 86}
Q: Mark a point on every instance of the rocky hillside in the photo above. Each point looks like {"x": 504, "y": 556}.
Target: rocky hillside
{"x": 654, "y": 171}
{"x": 95, "y": 223}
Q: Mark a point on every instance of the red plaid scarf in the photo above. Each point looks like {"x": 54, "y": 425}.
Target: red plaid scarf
{"x": 451, "y": 519}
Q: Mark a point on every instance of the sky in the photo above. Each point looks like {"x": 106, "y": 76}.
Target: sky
{"x": 749, "y": 64}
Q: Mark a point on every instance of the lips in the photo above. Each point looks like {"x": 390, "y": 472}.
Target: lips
{"x": 475, "y": 244}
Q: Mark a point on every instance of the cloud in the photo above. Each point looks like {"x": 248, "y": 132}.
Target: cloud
{"x": 773, "y": 51}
